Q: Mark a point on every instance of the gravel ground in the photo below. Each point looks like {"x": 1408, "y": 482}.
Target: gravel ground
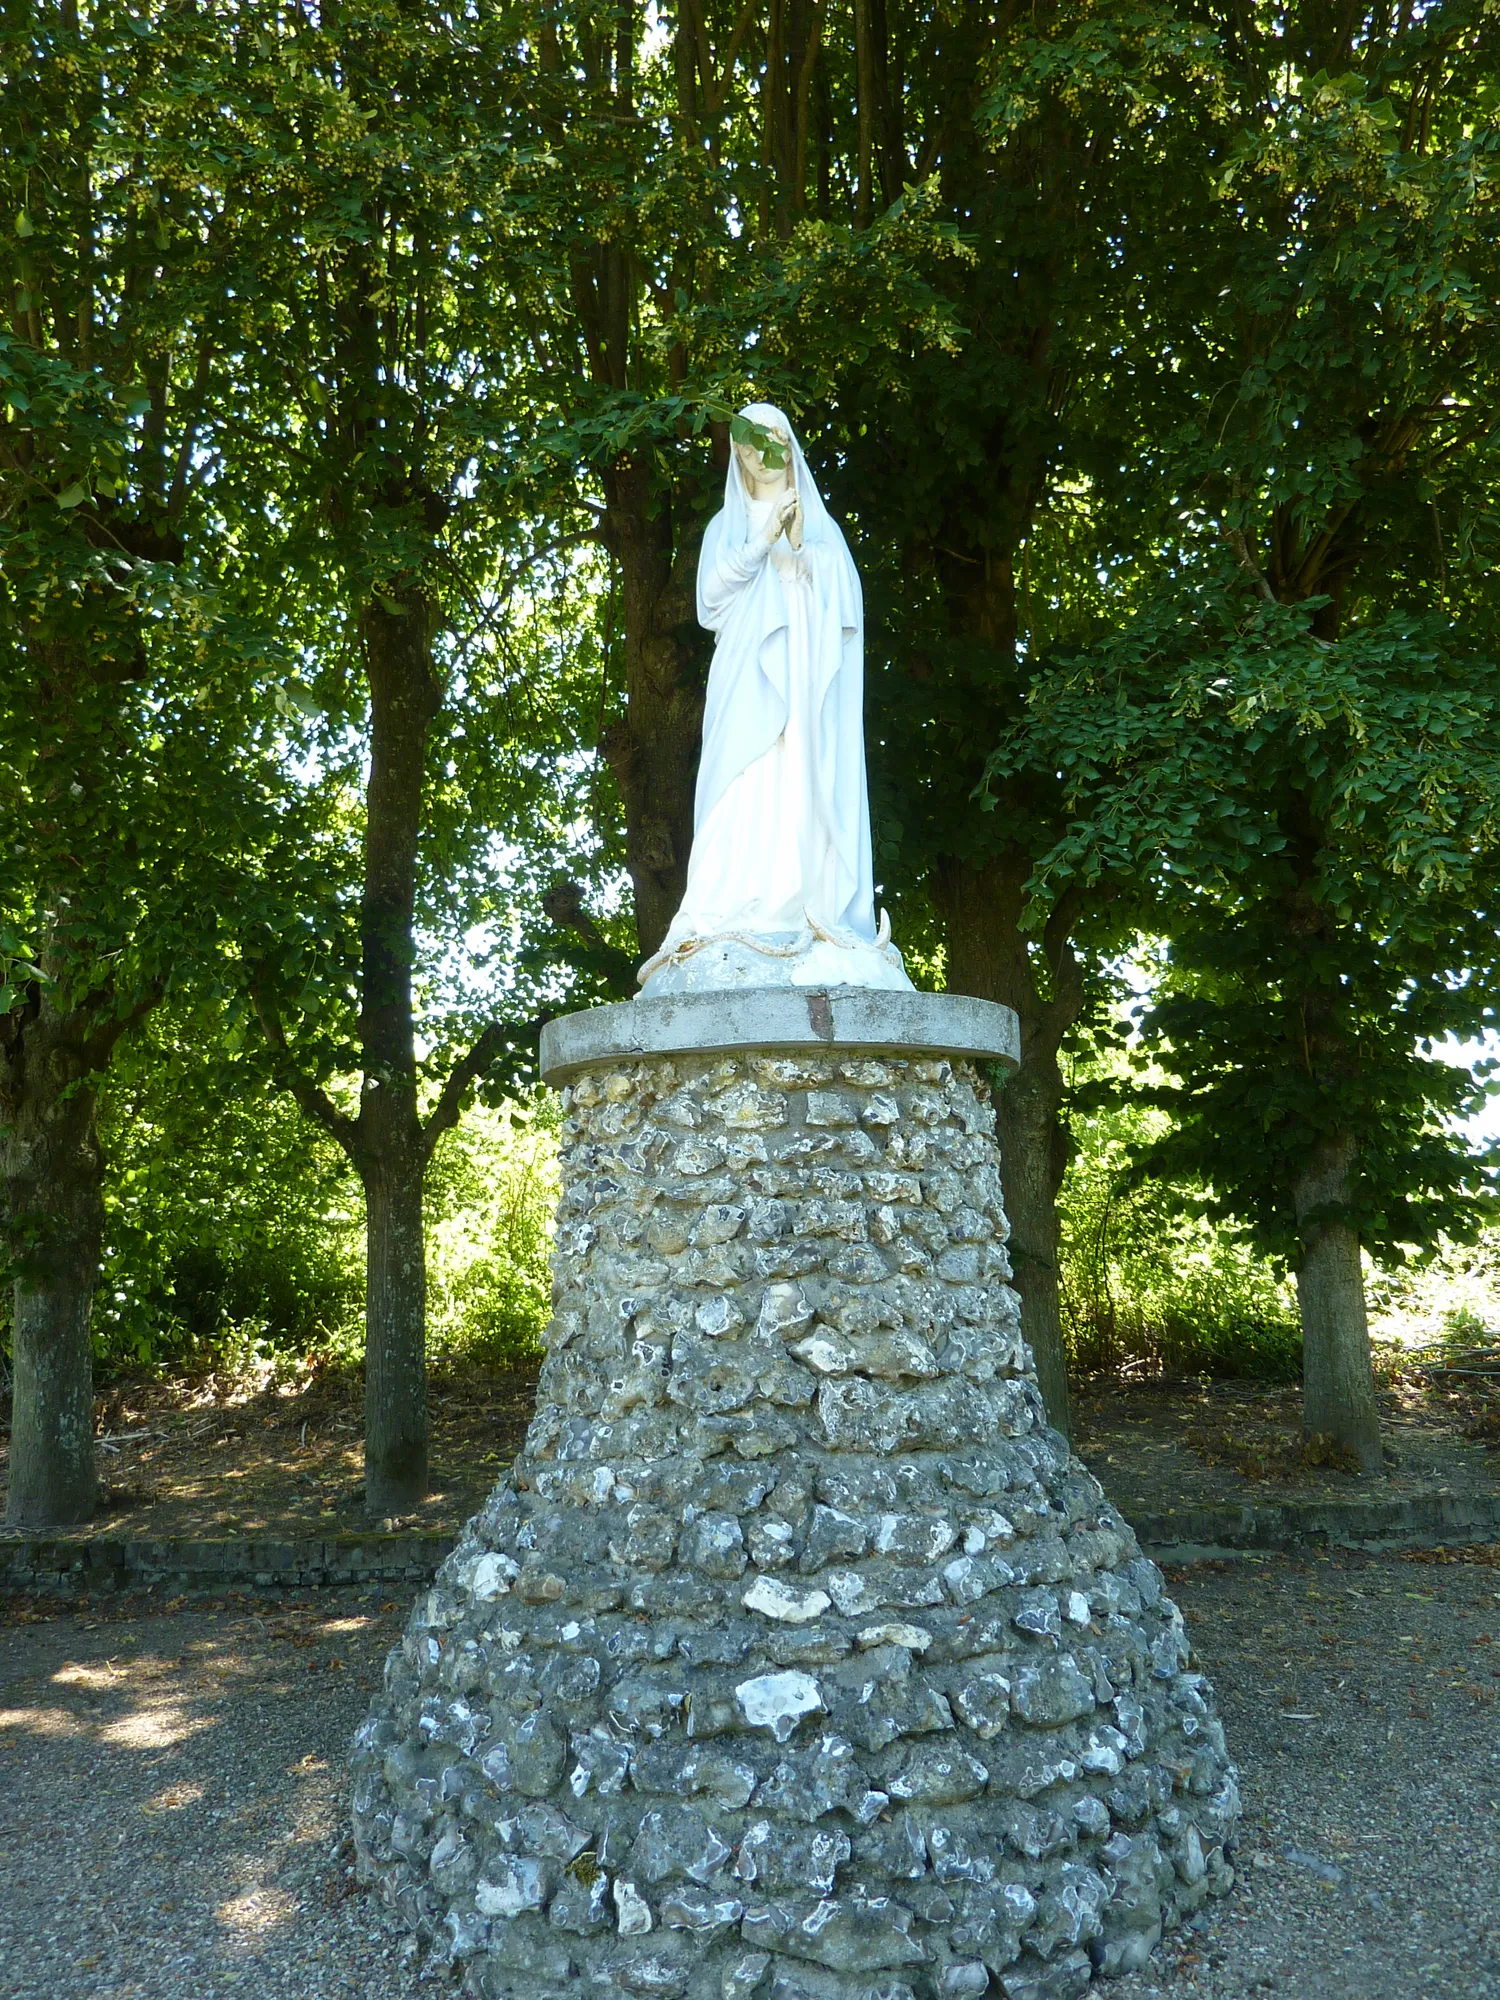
{"x": 171, "y": 1798}
{"x": 172, "y": 1803}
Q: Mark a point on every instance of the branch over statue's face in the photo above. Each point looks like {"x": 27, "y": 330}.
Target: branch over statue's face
{"x": 763, "y": 482}
{"x": 763, "y": 479}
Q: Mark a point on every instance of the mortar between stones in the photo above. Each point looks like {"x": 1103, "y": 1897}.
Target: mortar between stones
{"x": 796, "y": 1658}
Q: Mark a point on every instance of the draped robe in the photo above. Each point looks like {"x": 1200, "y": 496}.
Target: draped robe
{"x": 781, "y": 822}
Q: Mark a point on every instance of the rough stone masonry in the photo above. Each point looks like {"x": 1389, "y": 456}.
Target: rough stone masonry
{"x": 795, "y": 1658}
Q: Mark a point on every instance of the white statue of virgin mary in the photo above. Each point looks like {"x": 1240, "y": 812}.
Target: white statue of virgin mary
{"x": 780, "y": 887}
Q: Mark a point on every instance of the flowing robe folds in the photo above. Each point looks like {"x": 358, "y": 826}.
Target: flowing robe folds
{"x": 781, "y": 823}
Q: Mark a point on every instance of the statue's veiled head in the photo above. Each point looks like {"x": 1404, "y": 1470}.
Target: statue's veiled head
{"x": 760, "y": 479}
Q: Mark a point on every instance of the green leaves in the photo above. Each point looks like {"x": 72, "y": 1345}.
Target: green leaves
{"x": 773, "y": 453}
{"x": 294, "y": 699}
{"x": 1275, "y": 725}
{"x": 1155, "y": 397}
{"x": 1178, "y": 734}
{"x": 1320, "y": 822}
{"x": 18, "y": 970}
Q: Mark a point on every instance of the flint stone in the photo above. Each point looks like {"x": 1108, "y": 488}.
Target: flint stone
{"x": 718, "y": 1317}
{"x": 540, "y": 1829}
{"x": 852, "y": 1593}
{"x": 961, "y": 1980}
{"x": 1066, "y": 1979}
{"x": 452, "y": 1862}
{"x": 778, "y": 1859}
{"x": 697, "y": 1772}
{"x": 528, "y": 1756}
{"x": 513, "y": 1884}
{"x": 581, "y": 1907}
{"x": 1069, "y": 1915}
{"x": 778, "y": 1702}
{"x": 1035, "y": 1835}
{"x": 792, "y": 1613}
{"x": 516, "y": 1947}
{"x": 774, "y": 1599}
{"x": 896, "y": 1847}
{"x": 916, "y": 1537}
{"x": 675, "y": 1843}
{"x": 600, "y": 1763}
{"x": 743, "y": 1974}
{"x": 912, "y": 1637}
{"x": 832, "y": 1533}
{"x": 937, "y": 1775}
{"x": 955, "y": 1859}
{"x": 1049, "y": 1692}
{"x": 716, "y": 1545}
{"x": 847, "y": 1934}
{"x": 634, "y": 1917}
{"x": 705, "y": 1913}
{"x": 983, "y": 1701}
{"x": 653, "y": 1976}
{"x": 861, "y": 1415}
{"x": 773, "y": 1543}
{"x": 826, "y": 1777}
{"x": 1091, "y": 1816}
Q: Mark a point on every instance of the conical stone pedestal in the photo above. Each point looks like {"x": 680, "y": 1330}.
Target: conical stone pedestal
{"x": 795, "y": 1658}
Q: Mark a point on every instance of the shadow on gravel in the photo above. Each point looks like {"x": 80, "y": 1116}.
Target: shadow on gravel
{"x": 172, "y": 1796}
{"x": 1360, "y": 1697}
{"x": 172, "y": 1803}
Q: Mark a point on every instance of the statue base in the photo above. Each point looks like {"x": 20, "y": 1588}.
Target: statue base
{"x": 779, "y": 958}
{"x": 795, "y": 1659}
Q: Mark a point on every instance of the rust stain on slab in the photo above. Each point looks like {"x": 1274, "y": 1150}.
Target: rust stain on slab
{"x": 820, "y": 1016}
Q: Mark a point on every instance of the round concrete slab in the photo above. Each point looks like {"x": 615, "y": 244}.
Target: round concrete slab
{"x": 765, "y": 1018}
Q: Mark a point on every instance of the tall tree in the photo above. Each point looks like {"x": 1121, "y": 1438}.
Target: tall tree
{"x": 119, "y": 734}
{"x": 376, "y": 505}
{"x": 980, "y": 494}
{"x": 1299, "y": 747}
{"x": 1322, "y": 822}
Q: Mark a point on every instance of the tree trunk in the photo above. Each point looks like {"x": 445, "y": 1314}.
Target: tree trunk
{"x": 395, "y": 1336}
{"x": 653, "y": 752}
{"x": 1338, "y": 1383}
{"x": 388, "y": 1146}
{"x": 989, "y": 956}
{"x": 51, "y": 1165}
{"x": 1033, "y": 1157}
{"x": 51, "y": 1173}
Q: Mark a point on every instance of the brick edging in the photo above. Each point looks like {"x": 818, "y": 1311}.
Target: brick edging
{"x": 1198, "y": 1534}
{"x": 74, "y": 1565}
{"x": 69, "y": 1565}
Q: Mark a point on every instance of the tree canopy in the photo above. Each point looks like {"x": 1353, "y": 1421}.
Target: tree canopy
{"x": 369, "y": 377}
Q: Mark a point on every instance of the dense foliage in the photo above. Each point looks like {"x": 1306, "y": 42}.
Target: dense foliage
{"x": 234, "y": 1227}
{"x": 368, "y": 378}
{"x": 1150, "y": 1285}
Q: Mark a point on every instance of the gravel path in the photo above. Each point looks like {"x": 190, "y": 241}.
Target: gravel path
{"x": 171, "y": 1798}
{"x": 172, "y": 1804}
{"x": 1361, "y": 1696}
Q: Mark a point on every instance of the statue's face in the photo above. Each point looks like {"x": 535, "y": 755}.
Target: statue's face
{"x": 753, "y": 467}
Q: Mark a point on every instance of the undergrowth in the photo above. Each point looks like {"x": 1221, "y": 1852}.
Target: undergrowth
{"x": 1151, "y": 1289}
